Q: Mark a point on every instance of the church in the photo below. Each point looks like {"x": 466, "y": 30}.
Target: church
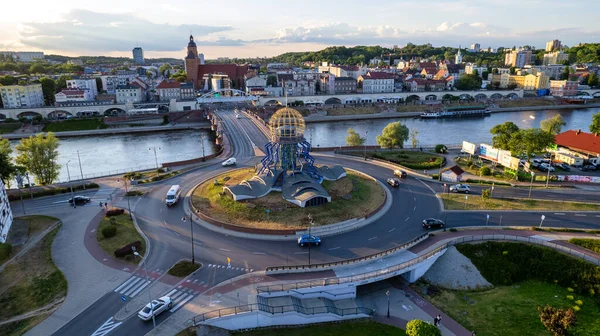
{"x": 197, "y": 72}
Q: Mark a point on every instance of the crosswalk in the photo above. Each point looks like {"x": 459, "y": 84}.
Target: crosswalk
{"x": 180, "y": 296}
{"x": 240, "y": 269}
{"x": 133, "y": 286}
{"x": 103, "y": 194}
{"x": 106, "y": 327}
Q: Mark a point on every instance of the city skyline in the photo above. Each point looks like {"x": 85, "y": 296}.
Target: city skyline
{"x": 258, "y": 29}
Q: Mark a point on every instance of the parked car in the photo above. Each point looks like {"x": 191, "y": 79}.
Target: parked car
{"x": 159, "y": 305}
{"x": 229, "y": 162}
{"x": 309, "y": 240}
{"x": 394, "y": 182}
{"x": 79, "y": 200}
{"x": 400, "y": 173}
{"x": 430, "y": 223}
{"x": 564, "y": 166}
{"x": 463, "y": 188}
{"x": 587, "y": 167}
{"x": 547, "y": 167}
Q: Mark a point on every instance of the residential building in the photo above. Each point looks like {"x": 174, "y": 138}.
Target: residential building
{"x": 475, "y": 47}
{"x": 187, "y": 91}
{"x": 344, "y": 85}
{"x": 84, "y": 83}
{"x": 129, "y": 94}
{"x": 344, "y": 70}
{"x": 499, "y": 81}
{"x": 429, "y": 72}
{"x": 110, "y": 83}
{"x": 563, "y": 88}
{"x": 6, "y": 215}
{"x": 503, "y": 70}
{"x": 553, "y": 71}
{"x": 556, "y": 57}
{"x": 299, "y": 84}
{"x": 421, "y": 84}
{"x": 470, "y": 69}
{"x": 24, "y": 56}
{"x": 72, "y": 95}
{"x": 256, "y": 85}
{"x": 530, "y": 81}
{"x": 553, "y": 45}
{"x": 375, "y": 82}
{"x": 216, "y": 81}
{"x": 327, "y": 83}
{"x": 168, "y": 89}
{"x": 17, "y": 96}
{"x": 518, "y": 58}
{"x": 442, "y": 74}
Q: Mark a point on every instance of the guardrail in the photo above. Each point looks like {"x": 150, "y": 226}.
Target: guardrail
{"x": 319, "y": 267}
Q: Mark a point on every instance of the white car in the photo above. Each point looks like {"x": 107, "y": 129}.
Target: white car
{"x": 460, "y": 188}
{"x": 160, "y": 305}
{"x": 229, "y": 162}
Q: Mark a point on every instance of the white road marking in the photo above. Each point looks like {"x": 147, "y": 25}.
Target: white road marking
{"x": 407, "y": 218}
{"x": 373, "y": 238}
{"x": 139, "y": 289}
{"x": 125, "y": 283}
{"x": 409, "y": 189}
{"x": 415, "y": 199}
{"x": 559, "y": 213}
{"x": 184, "y": 301}
{"x": 415, "y": 208}
{"x": 226, "y": 250}
{"x": 391, "y": 230}
{"x": 260, "y": 253}
{"x": 334, "y": 248}
{"x": 300, "y": 252}
{"x": 107, "y": 327}
{"x": 580, "y": 215}
{"x": 130, "y": 285}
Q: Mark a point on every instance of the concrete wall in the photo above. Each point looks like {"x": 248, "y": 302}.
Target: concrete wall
{"x": 422, "y": 268}
{"x": 333, "y": 292}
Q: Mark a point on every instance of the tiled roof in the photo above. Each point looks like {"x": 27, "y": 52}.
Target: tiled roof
{"x": 378, "y": 75}
{"x": 579, "y": 141}
{"x": 169, "y": 85}
{"x": 457, "y": 170}
{"x": 345, "y": 79}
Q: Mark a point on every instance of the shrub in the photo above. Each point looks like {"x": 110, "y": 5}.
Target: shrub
{"x": 579, "y": 303}
{"x": 109, "y": 231}
{"x": 590, "y": 244}
{"x": 570, "y": 290}
{"x": 441, "y": 149}
{"x": 113, "y": 221}
{"x": 570, "y": 297}
{"x": 576, "y": 308}
{"x": 133, "y": 175}
{"x": 452, "y": 230}
{"x": 485, "y": 193}
{"x": 52, "y": 190}
{"x": 5, "y": 251}
{"x": 557, "y": 320}
{"x": 470, "y": 163}
{"x": 485, "y": 171}
{"x": 134, "y": 193}
{"x": 127, "y": 249}
{"x": 183, "y": 268}
{"x": 114, "y": 212}
{"x": 421, "y": 328}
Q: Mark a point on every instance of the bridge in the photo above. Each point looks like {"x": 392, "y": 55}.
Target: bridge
{"x": 226, "y": 96}
{"x": 594, "y": 93}
{"x": 80, "y": 110}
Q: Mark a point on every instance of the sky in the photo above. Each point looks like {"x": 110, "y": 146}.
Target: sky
{"x": 236, "y": 28}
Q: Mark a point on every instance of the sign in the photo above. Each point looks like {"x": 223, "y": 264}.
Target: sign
{"x": 543, "y": 217}
{"x": 123, "y": 298}
{"x": 466, "y": 197}
{"x": 487, "y": 216}
{"x": 469, "y": 148}
{"x": 488, "y": 152}
{"x": 228, "y": 262}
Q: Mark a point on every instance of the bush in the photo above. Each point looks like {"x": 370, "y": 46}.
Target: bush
{"x": 452, "y": 230}
{"x": 183, "y": 268}
{"x": 133, "y": 175}
{"x": 134, "y": 193}
{"x": 557, "y": 320}
{"x": 109, "y": 231}
{"x": 421, "y": 328}
{"x": 127, "y": 249}
{"x": 114, "y": 212}
{"x": 442, "y": 149}
{"x": 113, "y": 220}
{"x": 5, "y": 251}
{"x": 590, "y": 244}
{"x": 485, "y": 171}
{"x": 485, "y": 193}
{"x": 52, "y": 190}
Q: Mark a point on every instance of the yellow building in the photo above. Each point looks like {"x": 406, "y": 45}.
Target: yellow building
{"x": 530, "y": 82}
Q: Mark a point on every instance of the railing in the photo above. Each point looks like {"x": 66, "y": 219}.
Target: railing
{"x": 349, "y": 261}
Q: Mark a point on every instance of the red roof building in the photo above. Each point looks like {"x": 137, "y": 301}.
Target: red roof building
{"x": 582, "y": 142}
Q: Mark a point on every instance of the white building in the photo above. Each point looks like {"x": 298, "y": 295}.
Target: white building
{"x": 556, "y": 57}
{"x": 84, "y": 83}
{"x": 24, "y": 56}
{"x": 73, "y": 95}
{"x": 110, "y": 83}
{"x": 475, "y": 47}
{"x": 129, "y": 94}
{"x": 16, "y": 96}
{"x": 470, "y": 68}
{"x": 458, "y": 57}
{"x": 169, "y": 89}
{"x": 256, "y": 85}
{"x": 6, "y": 216}
{"x": 376, "y": 82}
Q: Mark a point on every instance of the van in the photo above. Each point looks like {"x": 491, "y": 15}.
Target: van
{"x": 173, "y": 195}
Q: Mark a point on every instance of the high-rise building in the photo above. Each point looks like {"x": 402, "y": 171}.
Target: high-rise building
{"x": 6, "y": 216}
{"x": 553, "y": 45}
{"x": 556, "y": 57}
{"x": 518, "y": 58}
{"x": 16, "y": 96}
{"x": 475, "y": 47}
{"x": 138, "y": 55}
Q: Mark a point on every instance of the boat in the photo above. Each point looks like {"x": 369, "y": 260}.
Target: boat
{"x": 458, "y": 112}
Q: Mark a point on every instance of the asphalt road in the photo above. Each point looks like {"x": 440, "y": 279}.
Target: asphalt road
{"x": 170, "y": 237}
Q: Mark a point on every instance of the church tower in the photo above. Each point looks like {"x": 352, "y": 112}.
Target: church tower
{"x": 192, "y": 62}
{"x": 458, "y": 58}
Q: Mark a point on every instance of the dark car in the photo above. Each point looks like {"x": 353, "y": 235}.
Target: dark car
{"x": 79, "y": 200}
{"x": 564, "y": 166}
{"x": 587, "y": 167}
{"x": 309, "y": 240}
{"x": 400, "y": 173}
{"x": 432, "y": 223}
{"x": 394, "y": 182}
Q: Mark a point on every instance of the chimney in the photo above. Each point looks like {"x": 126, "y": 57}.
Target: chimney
{"x": 578, "y": 131}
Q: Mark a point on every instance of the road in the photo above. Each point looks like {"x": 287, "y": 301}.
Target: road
{"x": 171, "y": 240}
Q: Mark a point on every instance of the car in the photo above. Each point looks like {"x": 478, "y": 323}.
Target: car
{"x": 546, "y": 167}
{"x": 160, "y": 305}
{"x": 79, "y": 200}
{"x": 229, "y": 162}
{"x": 460, "y": 188}
{"x": 430, "y": 223}
{"x": 400, "y": 173}
{"x": 394, "y": 182}
{"x": 587, "y": 167}
{"x": 308, "y": 240}
{"x": 564, "y": 166}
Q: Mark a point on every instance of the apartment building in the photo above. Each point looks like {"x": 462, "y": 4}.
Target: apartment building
{"x": 556, "y": 57}
{"x": 84, "y": 83}
{"x": 6, "y": 215}
{"x": 375, "y": 82}
{"x": 17, "y": 96}
{"x": 518, "y": 58}
{"x": 563, "y": 88}
{"x": 168, "y": 89}
{"x": 129, "y": 94}
{"x": 553, "y": 45}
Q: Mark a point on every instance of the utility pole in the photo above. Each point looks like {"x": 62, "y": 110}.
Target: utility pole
{"x": 80, "y": 170}
{"x": 183, "y": 219}
{"x": 71, "y": 186}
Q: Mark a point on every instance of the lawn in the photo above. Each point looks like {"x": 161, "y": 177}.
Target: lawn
{"x": 525, "y": 102}
{"x": 31, "y": 282}
{"x": 412, "y": 108}
{"x": 126, "y": 233}
{"x": 410, "y": 159}
{"x": 75, "y": 125}
{"x": 512, "y": 310}
{"x": 366, "y": 196}
{"x": 9, "y": 127}
{"x": 351, "y": 110}
{"x": 151, "y": 175}
{"x": 590, "y": 244}
{"x": 350, "y": 328}
{"x": 476, "y": 202}
{"x": 184, "y": 268}
{"x": 19, "y": 328}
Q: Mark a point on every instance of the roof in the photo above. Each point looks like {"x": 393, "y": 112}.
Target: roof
{"x": 345, "y": 79}
{"x": 457, "y": 170}
{"x": 71, "y": 91}
{"x": 429, "y": 70}
{"x": 579, "y": 141}
{"x": 349, "y": 67}
{"x": 128, "y": 87}
{"x": 378, "y": 75}
{"x": 169, "y": 85}
{"x": 285, "y": 77}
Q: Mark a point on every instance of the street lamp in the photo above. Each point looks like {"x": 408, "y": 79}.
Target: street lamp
{"x": 80, "y": 170}
{"x": 149, "y": 293}
{"x": 183, "y": 219}
{"x": 155, "y": 157}
{"x": 29, "y": 183}
{"x": 387, "y": 293}
{"x": 366, "y": 135}
{"x": 531, "y": 184}
{"x": 126, "y": 191}
{"x": 71, "y": 186}
{"x": 309, "y": 235}
{"x": 203, "y": 138}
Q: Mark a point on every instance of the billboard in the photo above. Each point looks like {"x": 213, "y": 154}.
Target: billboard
{"x": 488, "y": 152}
{"x": 507, "y": 160}
{"x": 468, "y": 147}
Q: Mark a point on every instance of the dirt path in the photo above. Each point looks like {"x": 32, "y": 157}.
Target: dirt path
{"x": 49, "y": 308}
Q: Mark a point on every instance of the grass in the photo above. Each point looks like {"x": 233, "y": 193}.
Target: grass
{"x": 19, "y": 328}
{"x": 9, "y": 127}
{"x": 151, "y": 176}
{"x": 184, "y": 268}
{"x": 525, "y": 102}
{"x": 189, "y": 331}
{"x": 75, "y": 125}
{"x": 476, "y": 202}
{"x": 512, "y": 310}
{"x": 410, "y": 159}
{"x": 590, "y": 244}
{"x": 351, "y": 110}
{"x": 134, "y": 193}
{"x": 366, "y": 196}
{"x": 350, "y": 328}
{"x": 413, "y": 108}
{"x": 31, "y": 282}
{"x": 126, "y": 233}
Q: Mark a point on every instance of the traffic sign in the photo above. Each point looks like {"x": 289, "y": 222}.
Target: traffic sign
{"x": 466, "y": 197}
{"x": 123, "y": 298}
{"x": 488, "y": 216}
{"x": 543, "y": 217}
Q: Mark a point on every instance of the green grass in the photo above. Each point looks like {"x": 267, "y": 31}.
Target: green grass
{"x": 19, "y": 328}
{"x": 410, "y": 159}
{"x": 184, "y": 268}
{"x": 525, "y": 102}
{"x": 351, "y": 328}
{"x": 189, "y": 331}
{"x": 590, "y": 244}
{"x": 126, "y": 233}
{"x": 9, "y": 127}
{"x": 476, "y": 202}
{"x": 512, "y": 310}
{"x": 351, "y": 110}
{"x": 412, "y": 108}
{"x": 134, "y": 193}
{"x": 75, "y": 125}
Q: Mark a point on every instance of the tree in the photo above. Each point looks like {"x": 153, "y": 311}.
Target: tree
{"x": 61, "y": 82}
{"x": 553, "y": 125}
{"x": 165, "y": 70}
{"x": 592, "y": 79}
{"x": 566, "y": 73}
{"x": 49, "y": 89}
{"x": 502, "y": 134}
{"x": 595, "y": 126}
{"x": 413, "y": 138}
{"x": 38, "y": 155}
{"x": 7, "y": 168}
{"x": 513, "y": 70}
{"x": 468, "y": 82}
{"x": 99, "y": 84}
{"x": 557, "y": 321}
{"x": 421, "y": 328}
{"x": 37, "y": 68}
{"x": 271, "y": 80}
{"x": 354, "y": 139}
{"x": 531, "y": 140}
{"x": 179, "y": 76}
{"x": 393, "y": 135}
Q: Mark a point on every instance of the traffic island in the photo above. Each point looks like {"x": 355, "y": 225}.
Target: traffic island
{"x": 184, "y": 268}
{"x": 116, "y": 235}
{"x": 354, "y": 196}
{"x": 477, "y": 202}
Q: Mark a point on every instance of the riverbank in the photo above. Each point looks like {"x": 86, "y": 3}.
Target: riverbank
{"x": 113, "y": 131}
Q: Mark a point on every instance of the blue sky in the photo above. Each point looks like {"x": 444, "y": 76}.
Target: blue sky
{"x": 265, "y": 28}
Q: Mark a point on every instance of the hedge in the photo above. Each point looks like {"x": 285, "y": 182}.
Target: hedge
{"x": 126, "y": 250}
{"x": 114, "y": 212}
{"x": 50, "y": 190}
{"x": 590, "y": 244}
{"x": 439, "y": 162}
{"x": 109, "y": 231}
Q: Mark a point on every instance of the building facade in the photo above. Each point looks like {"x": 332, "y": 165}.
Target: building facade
{"x": 375, "y": 82}
{"x": 475, "y": 47}
{"x": 138, "y": 55}
{"x": 563, "y": 88}
{"x": 168, "y": 89}
{"x": 344, "y": 85}
{"x": 556, "y": 57}
{"x": 470, "y": 69}
{"x": 72, "y": 95}
{"x": 6, "y": 216}
{"x": 17, "y": 96}
{"x": 518, "y": 58}
{"x": 129, "y": 94}
{"x": 187, "y": 91}
{"x": 24, "y": 56}
{"x": 84, "y": 83}
{"x": 553, "y": 45}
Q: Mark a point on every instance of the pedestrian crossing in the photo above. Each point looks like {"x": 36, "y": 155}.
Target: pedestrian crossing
{"x": 180, "y": 296}
{"x": 241, "y": 269}
{"x": 103, "y": 194}
{"x": 133, "y": 286}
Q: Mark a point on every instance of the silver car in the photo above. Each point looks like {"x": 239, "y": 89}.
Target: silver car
{"x": 463, "y": 188}
{"x": 160, "y": 305}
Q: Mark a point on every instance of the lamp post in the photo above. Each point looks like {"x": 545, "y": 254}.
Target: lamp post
{"x": 71, "y": 186}
{"x": 155, "y": 157}
{"x": 366, "y": 135}
{"x": 19, "y": 186}
{"x": 126, "y": 191}
{"x": 309, "y": 235}
{"x": 387, "y": 293}
{"x": 183, "y": 219}
{"x": 149, "y": 293}
{"x": 548, "y": 176}
{"x": 203, "y": 138}
{"x": 531, "y": 184}
{"x": 29, "y": 183}
{"x": 80, "y": 170}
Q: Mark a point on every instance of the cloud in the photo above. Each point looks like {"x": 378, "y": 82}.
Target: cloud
{"x": 86, "y": 30}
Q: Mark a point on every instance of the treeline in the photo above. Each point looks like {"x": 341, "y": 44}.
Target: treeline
{"x": 108, "y": 60}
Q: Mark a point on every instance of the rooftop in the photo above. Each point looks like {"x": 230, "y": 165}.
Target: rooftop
{"x": 588, "y": 143}
{"x": 169, "y": 85}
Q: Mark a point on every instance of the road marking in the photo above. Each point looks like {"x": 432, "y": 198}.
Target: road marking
{"x": 258, "y": 253}
{"x": 391, "y": 230}
{"x": 334, "y": 248}
{"x": 415, "y": 199}
{"x": 373, "y": 238}
{"x": 409, "y": 189}
{"x": 184, "y": 301}
{"x": 130, "y": 286}
{"x": 415, "y": 208}
{"x": 597, "y": 215}
{"x": 580, "y": 215}
{"x": 559, "y": 213}
{"x": 138, "y": 290}
{"x": 125, "y": 284}
{"x": 226, "y": 250}
{"x": 178, "y": 235}
{"x": 300, "y": 252}
{"x": 407, "y": 218}
{"x": 107, "y": 327}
